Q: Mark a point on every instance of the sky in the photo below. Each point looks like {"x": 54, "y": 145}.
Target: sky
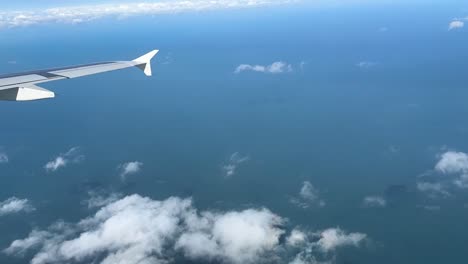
{"x": 270, "y": 132}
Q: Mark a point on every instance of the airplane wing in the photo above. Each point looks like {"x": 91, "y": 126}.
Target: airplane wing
{"x": 22, "y": 86}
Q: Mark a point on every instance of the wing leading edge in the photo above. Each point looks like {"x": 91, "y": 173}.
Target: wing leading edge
{"x": 22, "y": 86}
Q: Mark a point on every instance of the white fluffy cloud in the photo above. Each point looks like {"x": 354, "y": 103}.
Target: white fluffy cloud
{"x": 374, "y": 201}
{"x": 274, "y": 68}
{"x": 456, "y": 24}
{"x": 15, "y": 205}
{"x": 308, "y": 195}
{"x": 333, "y": 238}
{"x": 320, "y": 244}
{"x": 136, "y": 230}
{"x": 71, "y": 156}
{"x": 85, "y": 13}
{"x": 130, "y": 168}
{"x": 454, "y": 163}
{"x": 231, "y": 165}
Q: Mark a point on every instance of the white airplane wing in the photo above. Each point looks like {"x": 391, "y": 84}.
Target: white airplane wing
{"x": 22, "y": 86}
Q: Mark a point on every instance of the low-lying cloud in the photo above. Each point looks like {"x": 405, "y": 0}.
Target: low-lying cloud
{"x": 274, "y": 68}
{"x": 71, "y": 156}
{"x": 454, "y": 163}
{"x": 85, "y": 13}
{"x": 456, "y": 24}
{"x": 374, "y": 201}
{"x": 366, "y": 64}
{"x": 229, "y": 168}
{"x": 433, "y": 189}
{"x": 137, "y": 229}
{"x": 308, "y": 196}
{"x": 129, "y": 168}
{"x": 4, "y": 158}
{"x": 15, "y": 205}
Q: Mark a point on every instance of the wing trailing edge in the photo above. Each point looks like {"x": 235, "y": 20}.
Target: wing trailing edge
{"x": 22, "y": 86}
{"x": 29, "y": 93}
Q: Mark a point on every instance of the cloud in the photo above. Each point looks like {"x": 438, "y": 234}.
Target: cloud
{"x": 374, "y": 201}
{"x": 366, "y": 64}
{"x": 130, "y": 168}
{"x": 317, "y": 247}
{"x": 308, "y": 195}
{"x": 136, "y": 229}
{"x": 230, "y": 167}
{"x": 3, "y": 158}
{"x": 15, "y": 205}
{"x": 434, "y": 190}
{"x": 274, "y": 68}
{"x": 97, "y": 200}
{"x": 454, "y": 163}
{"x": 456, "y": 24}
{"x": 235, "y": 237}
{"x": 333, "y": 238}
{"x": 85, "y": 13}
{"x": 71, "y": 156}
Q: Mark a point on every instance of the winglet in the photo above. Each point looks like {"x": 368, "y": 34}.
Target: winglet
{"x": 144, "y": 62}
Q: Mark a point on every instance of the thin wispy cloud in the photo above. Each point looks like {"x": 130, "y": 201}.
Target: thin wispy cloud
{"x": 97, "y": 199}
{"x": 366, "y": 64}
{"x": 129, "y": 168}
{"x": 70, "y": 157}
{"x": 433, "y": 189}
{"x": 374, "y": 201}
{"x": 151, "y": 231}
{"x": 308, "y": 196}
{"x": 229, "y": 168}
{"x": 274, "y": 68}
{"x": 85, "y": 13}
{"x": 3, "y": 157}
{"x": 15, "y": 205}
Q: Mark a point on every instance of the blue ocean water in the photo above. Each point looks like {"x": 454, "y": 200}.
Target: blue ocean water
{"x": 352, "y": 132}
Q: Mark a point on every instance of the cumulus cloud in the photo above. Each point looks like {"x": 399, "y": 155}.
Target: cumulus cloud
{"x": 456, "y": 24}
{"x": 130, "y": 168}
{"x": 71, "y": 156}
{"x": 135, "y": 230}
{"x": 374, "y": 201}
{"x": 3, "y": 158}
{"x": 274, "y": 68}
{"x": 231, "y": 165}
{"x": 308, "y": 195}
{"x": 316, "y": 247}
{"x": 15, "y": 205}
{"x": 85, "y": 13}
{"x": 454, "y": 163}
{"x": 333, "y": 238}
